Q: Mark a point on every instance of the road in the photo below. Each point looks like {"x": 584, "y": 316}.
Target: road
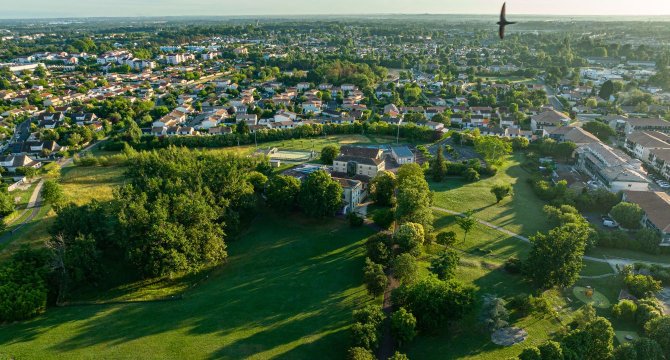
{"x": 553, "y": 100}
{"x": 613, "y": 262}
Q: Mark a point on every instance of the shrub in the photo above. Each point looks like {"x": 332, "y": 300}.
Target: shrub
{"x": 383, "y": 218}
{"x": 513, "y": 265}
{"x": 355, "y": 220}
{"x": 471, "y": 175}
{"x": 624, "y": 309}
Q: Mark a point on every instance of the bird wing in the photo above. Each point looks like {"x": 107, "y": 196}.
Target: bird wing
{"x": 501, "y": 31}
{"x": 502, "y": 13}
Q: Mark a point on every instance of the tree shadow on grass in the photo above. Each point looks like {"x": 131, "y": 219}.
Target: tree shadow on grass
{"x": 284, "y": 292}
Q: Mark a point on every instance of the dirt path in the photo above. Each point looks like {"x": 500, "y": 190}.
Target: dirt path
{"x": 387, "y": 344}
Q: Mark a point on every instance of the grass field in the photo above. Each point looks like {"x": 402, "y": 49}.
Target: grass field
{"x": 628, "y": 254}
{"x": 522, "y": 214}
{"x": 309, "y": 144}
{"x": 80, "y": 185}
{"x": 485, "y": 251}
{"x": 287, "y": 292}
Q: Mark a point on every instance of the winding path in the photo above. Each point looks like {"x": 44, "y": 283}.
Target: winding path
{"x": 33, "y": 206}
{"x": 609, "y": 261}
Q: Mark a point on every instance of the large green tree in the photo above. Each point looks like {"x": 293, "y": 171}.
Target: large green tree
{"x": 282, "y": 192}
{"x": 414, "y": 198}
{"x": 628, "y": 215}
{"x": 320, "y": 195}
{"x": 555, "y": 258}
{"x": 382, "y": 188}
{"x": 493, "y": 149}
{"x": 329, "y": 153}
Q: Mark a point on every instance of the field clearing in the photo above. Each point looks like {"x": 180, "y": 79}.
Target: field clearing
{"x": 80, "y": 185}
{"x": 521, "y": 214}
{"x": 287, "y": 292}
{"x": 83, "y": 184}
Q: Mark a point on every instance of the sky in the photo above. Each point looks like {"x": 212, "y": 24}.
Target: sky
{"x": 11, "y": 9}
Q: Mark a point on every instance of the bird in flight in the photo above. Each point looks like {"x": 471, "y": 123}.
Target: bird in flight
{"x": 503, "y": 22}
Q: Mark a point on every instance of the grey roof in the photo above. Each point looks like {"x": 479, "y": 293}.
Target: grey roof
{"x": 402, "y": 151}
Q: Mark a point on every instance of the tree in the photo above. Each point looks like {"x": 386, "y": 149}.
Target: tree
{"x": 320, "y": 195}
{"x": 627, "y": 214}
{"x": 642, "y": 286}
{"x": 555, "y": 258}
{"x": 132, "y": 134}
{"x": 624, "y": 309}
{"x": 565, "y": 149}
{"x": 494, "y": 315}
{"x": 434, "y": 302}
{"x": 410, "y": 237}
{"x": 398, "y": 356}
{"x": 360, "y": 353}
{"x": 403, "y": 326}
{"x": 375, "y": 278}
{"x": 53, "y": 194}
{"x": 438, "y": 166}
{"x": 366, "y": 329}
{"x": 414, "y": 199}
{"x": 640, "y": 349}
{"x": 466, "y": 223}
{"x": 551, "y": 350}
{"x": 405, "y": 268}
{"x": 257, "y": 180}
{"x": 7, "y": 204}
{"x": 531, "y": 353}
{"x": 282, "y": 192}
{"x": 382, "y": 188}
{"x": 658, "y": 329}
{"x": 594, "y": 340}
{"x": 444, "y": 266}
{"x": 501, "y": 191}
{"x": 601, "y": 130}
{"x": 493, "y": 149}
{"x": 446, "y": 238}
{"x": 23, "y": 290}
{"x": 329, "y": 153}
{"x": 606, "y": 90}
{"x": 471, "y": 175}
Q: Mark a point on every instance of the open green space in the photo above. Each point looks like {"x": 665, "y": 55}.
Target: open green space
{"x": 591, "y": 296}
{"x": 481, "y": 266}
{"x": 604, "y": 253}
{"x": 287, "y": 292}
{"x": 80, "y": 185}
{"x": 521, "y": 214}
{"x": 594, "y": 268}
{"x": 315, "y": 144}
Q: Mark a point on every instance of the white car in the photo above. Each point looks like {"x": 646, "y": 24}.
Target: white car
{"x": 609, "y": 222}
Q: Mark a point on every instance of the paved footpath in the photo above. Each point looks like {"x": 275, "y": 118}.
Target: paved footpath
{"x": 610, "y": 261}
{"x": 33, "y": 206}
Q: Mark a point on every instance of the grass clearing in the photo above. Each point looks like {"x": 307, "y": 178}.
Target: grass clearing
{"x": 594, "y": 268}
{"x": 287, "y": 292}
{"x": 83, "y": 184}
{"x": 521, "y": 214}
{"x": 481, "y": 266}
{"x": 604, "y": 253}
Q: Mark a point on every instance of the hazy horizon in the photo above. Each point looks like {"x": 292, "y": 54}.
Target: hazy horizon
{"x": 44, "y": 9}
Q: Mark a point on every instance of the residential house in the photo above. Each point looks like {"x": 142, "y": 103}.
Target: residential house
{"x": 354, "y": 160}
{"x": 402, "y": 155}
{"x": 640, "y": 143}
{"x": 548, "y": 120}
{"x": 12, "y": 162}
{"x": 353, "y": 193}
{"x": 656, "y": 208}
{"x": 611, "y": 167}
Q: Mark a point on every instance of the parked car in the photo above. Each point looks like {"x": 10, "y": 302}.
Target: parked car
{"x": 609, "y": 222}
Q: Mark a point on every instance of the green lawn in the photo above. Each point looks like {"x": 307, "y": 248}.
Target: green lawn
{"x": 481, "y": 266}
{"x": 80, "y": 185}
{"x": 83, "y": 184}
{"x": 309, "y": 144}
{"x": 521, "y": 214}
{"x": 287, "y": 292}
{"x": 593, "y": 268}
{"x": 482, "y": 240}
{"x": 628, "y": 254}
